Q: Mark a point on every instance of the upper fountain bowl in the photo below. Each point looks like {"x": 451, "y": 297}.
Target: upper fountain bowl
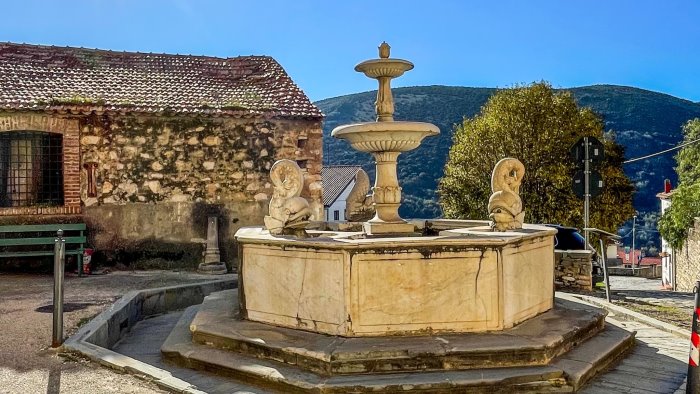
{"x": 377, "y": 68}
{"x": 385, "y": 136}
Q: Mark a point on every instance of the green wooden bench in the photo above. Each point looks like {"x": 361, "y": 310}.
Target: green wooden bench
{"x": 15, "y": 240}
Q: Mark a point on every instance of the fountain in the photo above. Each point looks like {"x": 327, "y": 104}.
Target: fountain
{"x": 385, "y": 139}
{"x": 436, "y": 305}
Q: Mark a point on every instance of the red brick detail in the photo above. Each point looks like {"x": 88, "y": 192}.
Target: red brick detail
{"x": 65, "y": 210}
{"x": 68, "y": 127}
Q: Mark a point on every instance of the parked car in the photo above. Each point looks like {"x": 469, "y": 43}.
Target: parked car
{"x": 569, "y": 238}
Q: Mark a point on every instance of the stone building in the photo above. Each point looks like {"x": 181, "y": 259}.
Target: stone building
{"x": 686, "y": 261}
{"x": 142, "y": 147}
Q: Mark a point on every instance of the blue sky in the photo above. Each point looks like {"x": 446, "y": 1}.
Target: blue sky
{"x": 648, "y": 44}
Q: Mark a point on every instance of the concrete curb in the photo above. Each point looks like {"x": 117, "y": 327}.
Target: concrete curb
{"x": 629, "y": 314}
{"x": 95, "y": 339}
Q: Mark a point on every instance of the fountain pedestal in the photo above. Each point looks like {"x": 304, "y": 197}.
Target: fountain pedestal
{"x": 464, "y": 280}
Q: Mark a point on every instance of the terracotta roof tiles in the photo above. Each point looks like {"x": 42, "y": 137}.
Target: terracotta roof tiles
{"x": 36, "y": 77}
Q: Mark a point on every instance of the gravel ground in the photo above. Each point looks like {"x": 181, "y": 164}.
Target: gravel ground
{"x": 28, "y": 365}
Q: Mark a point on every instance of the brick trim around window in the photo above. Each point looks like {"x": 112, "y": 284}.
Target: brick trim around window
{"x": 69, "y": 128}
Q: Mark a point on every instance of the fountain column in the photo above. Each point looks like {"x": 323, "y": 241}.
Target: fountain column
{"x": 386, "y": 190}
{"x": 385, "y": 139}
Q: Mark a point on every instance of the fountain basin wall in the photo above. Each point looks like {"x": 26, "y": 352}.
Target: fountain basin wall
{"x": 340, "y": 283}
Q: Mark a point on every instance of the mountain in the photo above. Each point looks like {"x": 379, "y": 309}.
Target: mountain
{"x": 643, "y": 121}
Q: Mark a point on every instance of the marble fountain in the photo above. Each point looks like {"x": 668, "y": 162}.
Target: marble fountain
{"x": 394, "y": 305}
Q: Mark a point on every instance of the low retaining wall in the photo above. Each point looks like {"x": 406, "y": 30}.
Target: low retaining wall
{"x": 647, "y": 271}
{"x": 95, "y": 339}
{"x": 573, "y": 269}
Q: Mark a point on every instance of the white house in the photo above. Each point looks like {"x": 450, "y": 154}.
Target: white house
{"x": 338, "y": 181}
{"x": 668, "y": 274}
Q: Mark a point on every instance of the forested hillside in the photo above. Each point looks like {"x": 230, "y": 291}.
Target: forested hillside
{"x": 641, "y": 120}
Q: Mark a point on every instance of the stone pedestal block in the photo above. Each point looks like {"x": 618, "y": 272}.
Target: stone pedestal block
{"x": 464, "y": 280}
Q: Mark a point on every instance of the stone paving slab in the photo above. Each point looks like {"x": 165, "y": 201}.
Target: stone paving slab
{"x": 658, "y": 364}
{"x": 144, "y": 344}
{"x": 28, "y": 367}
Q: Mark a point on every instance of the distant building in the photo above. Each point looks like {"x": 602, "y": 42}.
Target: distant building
{"x": 668, "y": 274}
{"x": 338, "y": 182}
{"x": 143, "y": 147}
{"x": 627, "y": 258}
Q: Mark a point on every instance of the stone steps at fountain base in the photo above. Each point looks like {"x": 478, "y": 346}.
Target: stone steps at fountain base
{"x": 534, "y": 342}
{"x": 566, "y": 373}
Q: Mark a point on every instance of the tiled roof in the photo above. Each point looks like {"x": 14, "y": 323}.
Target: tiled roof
{"x": 36, "y": 77}
{"x": 666, "y": 196}
{"x": 646, "y": 260}
{"x": 335, "y": 179}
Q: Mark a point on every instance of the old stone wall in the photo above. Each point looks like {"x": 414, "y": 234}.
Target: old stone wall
{"x": 573, "y": 270}
{"x": 687, "y": 260}
{"x": 150, "y": 160}
{"x": 146, "y": 184}
{"x": 647, "y": 271}
{"x": 157, "y": 179}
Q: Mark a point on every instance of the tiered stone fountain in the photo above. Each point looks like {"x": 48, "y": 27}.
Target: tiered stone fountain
{"x": 432, "y": 305}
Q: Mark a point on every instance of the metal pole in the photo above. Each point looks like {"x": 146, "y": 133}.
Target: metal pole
{"x": 603, "y": 254}
{"x": 59, "y": 257}
{"x": 586, "y": 190}
{"x": 693, "y": 384}
{"x": 635, "y": 261}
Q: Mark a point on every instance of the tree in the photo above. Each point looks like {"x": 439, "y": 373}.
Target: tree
{"x": 685, "y": 200}
{"x": 538, "y": 126}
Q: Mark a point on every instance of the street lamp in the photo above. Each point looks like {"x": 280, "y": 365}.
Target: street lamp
{"x": 634, "y": 252}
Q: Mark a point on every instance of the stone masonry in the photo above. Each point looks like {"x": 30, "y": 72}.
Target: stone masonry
{"x": 687, "y": 260}
{"x": 158, "y": 178}
{"x": 573, "y": 270}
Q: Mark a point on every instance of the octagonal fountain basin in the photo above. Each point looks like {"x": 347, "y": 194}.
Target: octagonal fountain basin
{"x": 376, "y": 137}
{"x": 343, "y": 283}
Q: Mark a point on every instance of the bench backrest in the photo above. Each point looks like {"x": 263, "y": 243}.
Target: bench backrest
{"x": 31, "y": 234}
{"x": 28, "y": 228}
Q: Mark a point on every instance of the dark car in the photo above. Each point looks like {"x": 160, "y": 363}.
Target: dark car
{"x": 568, "y": 238}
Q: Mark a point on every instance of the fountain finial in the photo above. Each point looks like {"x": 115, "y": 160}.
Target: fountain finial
{"x": 384, "y": 50}
{"x": 383, "y": 70}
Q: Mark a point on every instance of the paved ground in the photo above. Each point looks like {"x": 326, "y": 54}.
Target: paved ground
{"x": 657, "y": 364}
{"x": 27, "y": 366}
{"x": 647, "y": 297}
{"x": 144, "y": 342}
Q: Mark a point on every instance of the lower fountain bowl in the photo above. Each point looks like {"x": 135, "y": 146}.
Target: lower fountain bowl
{"x": 342, "y": 283}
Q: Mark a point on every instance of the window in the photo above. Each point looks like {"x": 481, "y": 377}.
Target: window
{"x": 301, "y": 143}
{"x": 31, "y": 169}
{"x": 336, "y": 215}
{"x": 302, "y": 163}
